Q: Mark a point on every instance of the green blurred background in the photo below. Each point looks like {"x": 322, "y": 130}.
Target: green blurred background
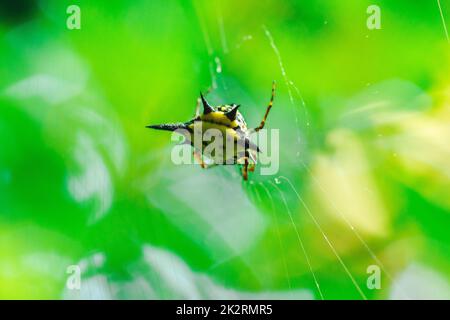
{"x": 364, "y": 119}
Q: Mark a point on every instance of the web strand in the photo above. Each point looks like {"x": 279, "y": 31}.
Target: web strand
{"x": 443, "y": 20}
{"x": 280, "y": 242}
{"x": 327, "y": 240}
{"x": 349, "y": 224}
{"x": 299, "y": 240}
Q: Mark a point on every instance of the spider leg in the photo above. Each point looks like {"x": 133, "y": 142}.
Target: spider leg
{"x": 261, "y": 125}
{"x": 198, "y": 157}
{"x": 197, "y": 107}
{"x": 252, "y": 165}
{"x": 245, "y": 169}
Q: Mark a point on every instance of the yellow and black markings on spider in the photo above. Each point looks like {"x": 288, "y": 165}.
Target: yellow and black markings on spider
{"x": 233, "y": 128}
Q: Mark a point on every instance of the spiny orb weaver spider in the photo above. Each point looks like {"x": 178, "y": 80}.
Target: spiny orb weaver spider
{"x": 232, "y": 126}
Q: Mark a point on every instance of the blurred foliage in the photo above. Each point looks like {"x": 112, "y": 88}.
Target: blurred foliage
{"x": 364, "y": 119}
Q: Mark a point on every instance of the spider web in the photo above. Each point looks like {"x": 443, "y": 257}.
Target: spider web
{"x": 228, "y": 223}
{"x": 268, "y": 187}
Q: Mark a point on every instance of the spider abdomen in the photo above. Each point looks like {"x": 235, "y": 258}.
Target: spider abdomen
{"x": 221, "y": 134}
{"x": 218, "y": 140}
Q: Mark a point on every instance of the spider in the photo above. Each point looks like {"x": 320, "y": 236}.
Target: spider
{"x": 227, "y": 120}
